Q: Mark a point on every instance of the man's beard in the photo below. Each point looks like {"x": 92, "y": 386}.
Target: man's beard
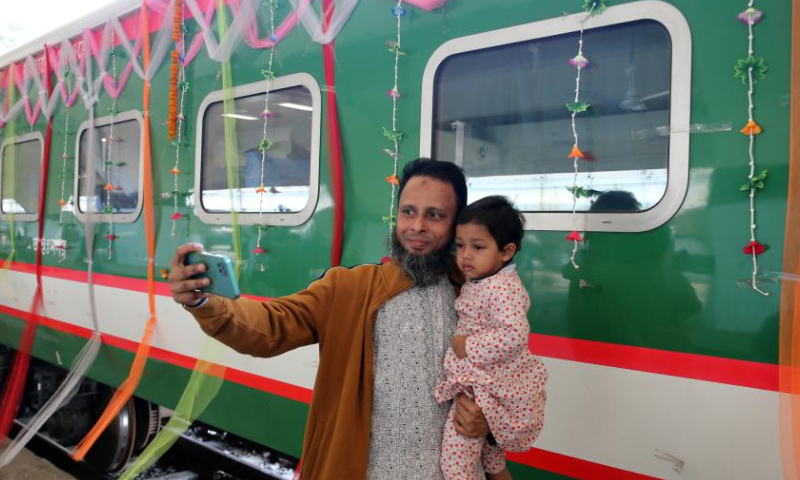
{"x": 426, "y": 270}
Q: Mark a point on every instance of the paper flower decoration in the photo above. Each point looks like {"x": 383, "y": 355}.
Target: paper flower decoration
{"x": 579, "y": 61}
{"x": 751, "y": 128}
{"x": 754, "y": 247}
{"x": 574, "y": 237}
{"x": 578, "y": 107}
{"x": 177, "y": 216}
{"x": 756, "y": 182}
{"x": 62, "y": 202}
{"x": 751, "y": 16}
{"x": 267, "y": 114}
{"x": 164, "y": 273}
{"x": 265, "y": 145}
{"x": 392, "y": 136}
{"x": 386, "y": 259}
{"x": 576, "y": 153}
{"x": 398, "y": 11}
{"x": 744, "y": 65}
{"x": 108, "y": 186}
{"x": 392, "y": 179}
{"x": 390, "y": 220}
{"x": 595, "y": 7}
{"x": 111, "y": 237}
{"x": 258, "y": 250}
{"x": 261, "y": 189}
{"x": 393, "y": 93}
{"x": 175, "y": 171}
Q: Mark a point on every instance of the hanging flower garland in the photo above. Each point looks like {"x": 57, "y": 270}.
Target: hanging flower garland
{"x": 750, "y": 70}
{"x": 579, "y": 61}
{"x": 65, "y": 152}
{"x": 177, "y": 100}
{"x": 266, "y": 143}
{"x": 394, "y": 136}
{"x": 108, "y": 144}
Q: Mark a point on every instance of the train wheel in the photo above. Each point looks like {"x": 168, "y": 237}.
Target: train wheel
{"x": 115, "y": 446}
{"x": 148, "y": 421}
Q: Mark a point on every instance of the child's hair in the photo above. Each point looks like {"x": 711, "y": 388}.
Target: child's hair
{"x": 504, "y": 222}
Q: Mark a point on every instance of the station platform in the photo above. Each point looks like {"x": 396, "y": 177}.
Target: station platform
{"x": 27, "y": 466}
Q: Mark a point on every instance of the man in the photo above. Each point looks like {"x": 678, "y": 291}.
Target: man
{"x": 382, "y": 332}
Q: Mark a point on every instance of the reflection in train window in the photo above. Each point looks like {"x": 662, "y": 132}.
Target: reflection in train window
{"x": 275, "y": 180}
{"x": 21, "y": 172}
{"x": 500, "y": 113}
{"x": 117, "y": 167}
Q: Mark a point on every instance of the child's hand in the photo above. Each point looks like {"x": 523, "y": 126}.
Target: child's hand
{"x": 459, "y": 345}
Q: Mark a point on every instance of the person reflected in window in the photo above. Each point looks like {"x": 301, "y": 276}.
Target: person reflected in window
{"x": 629, "y": 288}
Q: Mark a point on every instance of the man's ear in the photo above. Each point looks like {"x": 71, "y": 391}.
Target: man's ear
{"x": 508, "y": 252}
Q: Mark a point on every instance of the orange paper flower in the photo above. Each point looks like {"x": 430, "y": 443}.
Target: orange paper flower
{"x": 261, "y": 189}
{"x": 576, "y": 153}
{"x": 752, "y": 128}
{"x": 392, "y": 179}
{"x": 108, "y": 186}
{"x": 62, "y": 202}
{"x": 175, "y": 171}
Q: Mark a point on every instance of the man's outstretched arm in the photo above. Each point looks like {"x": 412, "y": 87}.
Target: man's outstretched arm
{"x": 262, "y": 329}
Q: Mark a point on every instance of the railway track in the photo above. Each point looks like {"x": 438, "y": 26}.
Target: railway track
{"x": 201, "y": 454}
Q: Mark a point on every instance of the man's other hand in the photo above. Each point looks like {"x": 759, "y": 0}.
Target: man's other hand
{"x": 469, "y": 420}
{"x": 459, "y": 346}
{"x": 185, "y": 290}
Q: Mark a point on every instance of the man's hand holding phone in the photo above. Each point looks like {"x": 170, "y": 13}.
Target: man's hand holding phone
{"x": 185, "y": 289}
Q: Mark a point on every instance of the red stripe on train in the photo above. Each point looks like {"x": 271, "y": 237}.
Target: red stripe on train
{"x": 573, "y": 467}
{"x": 763, "y": 376}
{"x": 257, "y": 382}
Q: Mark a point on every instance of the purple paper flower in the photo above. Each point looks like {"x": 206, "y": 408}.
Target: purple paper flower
{"x": 393, "y": 93}
{"x": 579, "y": 61}
{"x": 267, "y": 114}
{"x": 751, "y": 16}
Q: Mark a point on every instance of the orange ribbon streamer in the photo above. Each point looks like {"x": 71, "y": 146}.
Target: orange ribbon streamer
{"x": 126, "y": 389}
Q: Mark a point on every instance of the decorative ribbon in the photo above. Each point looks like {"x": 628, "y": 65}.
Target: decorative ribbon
{"x": 128, "y": 386}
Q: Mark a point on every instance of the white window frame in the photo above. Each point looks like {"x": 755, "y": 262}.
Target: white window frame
{"x": 267, "y": 218}
{"x": 680, "y": 108}
{"x": 101, "y": 216}
{"x": 25, "y": 217}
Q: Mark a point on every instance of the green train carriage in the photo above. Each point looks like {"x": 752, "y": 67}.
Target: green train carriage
{"x": 663, "y": 358}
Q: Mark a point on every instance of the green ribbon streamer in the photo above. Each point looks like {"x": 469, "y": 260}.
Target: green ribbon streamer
{"x": 207, "y": 376}
{"x": 231, "y": 141}
{"x": 202, "y": 388}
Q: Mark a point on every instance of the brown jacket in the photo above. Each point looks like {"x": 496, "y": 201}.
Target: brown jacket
{"x": 338, "y": 312}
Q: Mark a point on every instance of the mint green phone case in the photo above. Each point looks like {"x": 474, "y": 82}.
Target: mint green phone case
{"x": 219, "y": 270}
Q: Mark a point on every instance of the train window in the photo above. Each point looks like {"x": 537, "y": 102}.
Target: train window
{"x": 21, "y": 172}
{"x": 277, "y": 186}
{"x": 117, "y": 167}
{"x": 495, "y": 103}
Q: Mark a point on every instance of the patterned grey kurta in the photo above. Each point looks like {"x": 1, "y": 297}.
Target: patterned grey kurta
{"x": 412, "y": 334}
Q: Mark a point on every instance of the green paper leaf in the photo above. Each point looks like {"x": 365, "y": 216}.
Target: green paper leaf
{"x": 268, "y": 74}
{"x": 392, "y": 136}
{"x": 759, "y": 184}
{"x": 390, "y": 220}
{"x": 744, "y": 65}
{"x": 265, "y": 145}
{"x": 595, "y": 7}
{"x": 577, "y": 107}
{"x": 396, "y": 50}
{"x": 745, "y": 187}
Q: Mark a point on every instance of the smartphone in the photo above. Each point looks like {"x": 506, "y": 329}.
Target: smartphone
{"x": 220, "y": 270}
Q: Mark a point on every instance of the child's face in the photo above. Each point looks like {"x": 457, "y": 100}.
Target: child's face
{"x": 477, "y": 253}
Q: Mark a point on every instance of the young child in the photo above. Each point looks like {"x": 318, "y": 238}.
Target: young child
{"x": 489, "y": 359}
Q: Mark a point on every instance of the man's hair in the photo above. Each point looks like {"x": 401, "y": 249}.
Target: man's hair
{"x": 504, "y": 222}
{"x": 446, "y": 172}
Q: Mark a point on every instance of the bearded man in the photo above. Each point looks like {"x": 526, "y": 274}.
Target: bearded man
{"x": 382, "y": 331}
